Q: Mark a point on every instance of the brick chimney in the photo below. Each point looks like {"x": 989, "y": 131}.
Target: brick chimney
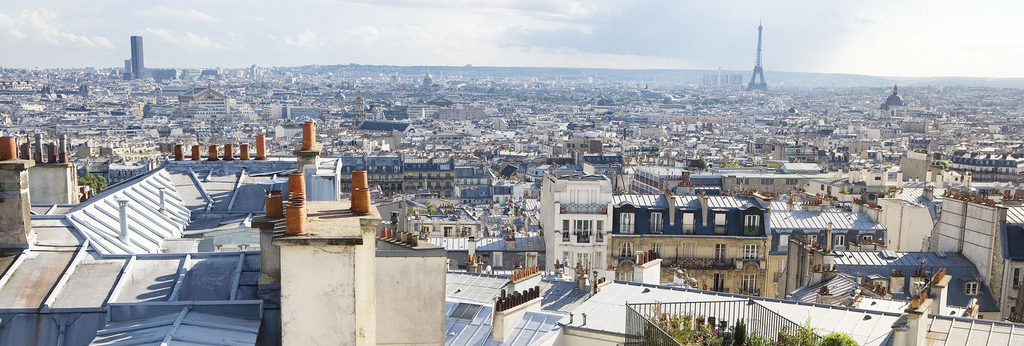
{"x": 524, "y": 278}
{"x": 896, "y": 281}
{"x": 261, "y": 147}
{"x": 937, "y": 290}
{"x": 824, "y": 296}
{"x": 196, "y": 154}
{"x": 15, "y": 220}
{"x": 510, "y": 308}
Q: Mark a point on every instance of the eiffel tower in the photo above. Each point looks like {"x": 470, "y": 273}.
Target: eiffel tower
{"x": 758, "y": 71}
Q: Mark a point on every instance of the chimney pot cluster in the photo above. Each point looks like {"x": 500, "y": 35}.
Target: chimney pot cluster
{"x": 405, "y": 238}
{"x": 524, "y": 273}
{"x": 9, "y": 150}
{"x": 295, "y": 222}
{"x": 642, "y": 257}
{"x": 505, "y": 302}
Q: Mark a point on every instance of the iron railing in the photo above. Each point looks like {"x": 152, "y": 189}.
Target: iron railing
{"x": 646, "y": 323}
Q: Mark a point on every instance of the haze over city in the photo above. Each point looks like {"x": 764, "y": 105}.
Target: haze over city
{"x": 881, "y": 38}
{"x": 511, "y": 173}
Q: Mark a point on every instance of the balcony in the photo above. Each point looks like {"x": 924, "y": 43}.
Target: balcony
{"x": 694, "y": 323}
{"x": 705, "y": 263}
{"x": 584, "y": 209}
{"x": 583, "y": 236}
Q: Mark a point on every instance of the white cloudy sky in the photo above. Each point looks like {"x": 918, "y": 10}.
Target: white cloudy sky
{"x": 876, "y": 37}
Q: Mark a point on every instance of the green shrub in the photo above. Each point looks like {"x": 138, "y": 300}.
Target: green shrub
{"x": 837, "y": 339}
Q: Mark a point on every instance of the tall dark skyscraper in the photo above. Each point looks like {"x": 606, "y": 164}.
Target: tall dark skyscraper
{"x": 138, "y": 68}
{"x": 758, "y": 71}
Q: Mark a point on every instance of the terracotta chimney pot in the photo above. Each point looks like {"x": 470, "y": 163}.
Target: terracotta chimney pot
{"x": 261, "y": 147}
{"x": 308, "y": 135}
{"x": 179, "y": 154}
{"x": 229, "y": 152}
{"x": 212, "y": 152}
{"x": 8, "y": 148}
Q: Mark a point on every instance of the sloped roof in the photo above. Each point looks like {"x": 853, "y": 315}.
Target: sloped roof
{"x": 99, "y": 218}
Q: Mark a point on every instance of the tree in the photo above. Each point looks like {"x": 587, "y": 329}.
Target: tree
{"x": 837, "y": 339}
{"x": 94, "y": 181}
{"x": 701, "y": 164}
{"x": 740, "y": 336}
{"x": 430, "y": 209}
{"x": 732, "y": 164}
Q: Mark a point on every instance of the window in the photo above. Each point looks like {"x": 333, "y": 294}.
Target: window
{"x": 749, "y": 283}
{"x": 720, "y": 223}
{"x": 752, "y": 225}
{"x": 626, "y": 250}
{"x": 750, "y": 251}
{"x": 497, "y": 260}
{"x": 765, "y": 181}
{"x": 448, "y": 232}
{"x": 868, "y": 239}
{"x": 719, "y": 283}
{"x": 784, "y": 242}
{"x": 688, "y": 223}
{"x": 565, "y": 226}
{"x": 657, "y": 225}
{"x": 792, "y": 182}
{"x": 688, "y": 250}
{"x": 1016, "y": 277}
{"x": 626, "y": 222}
{"x": 720, "y": 252}
{"x": 971, "y": 289}
{"x": 465, "y": 311}
{"x": 583, "y": 258}
{"x": 599, "y": 260}
{"x": 656, "y": 247}
{"x": 600, "y": 231}
{"x": 812, "y": 238}
{"x": 840, "y": 240}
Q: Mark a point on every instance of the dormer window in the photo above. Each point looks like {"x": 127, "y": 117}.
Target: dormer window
{"x": 626, "y": 222}
{"x": 971, "y": 288}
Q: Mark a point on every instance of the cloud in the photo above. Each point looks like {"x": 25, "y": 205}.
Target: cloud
{"x": 306, "y": 39}
{"x": 43, "y": 25}
{"x": 187, "y": 13}
{"x": 365, "y": 34}
{"x": 189, "y": 40}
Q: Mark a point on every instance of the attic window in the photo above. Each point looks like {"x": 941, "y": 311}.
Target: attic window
{"x": 971, "y": 288}
{"x": 465, "y": 311}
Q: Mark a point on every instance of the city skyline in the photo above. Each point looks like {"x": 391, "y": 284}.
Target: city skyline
{"x": 903, "y": 40}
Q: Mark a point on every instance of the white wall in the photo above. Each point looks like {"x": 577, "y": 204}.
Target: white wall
{"x": 410, "y": 300}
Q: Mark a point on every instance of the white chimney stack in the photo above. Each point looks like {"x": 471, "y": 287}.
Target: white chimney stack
{"x": 472, "y": 246}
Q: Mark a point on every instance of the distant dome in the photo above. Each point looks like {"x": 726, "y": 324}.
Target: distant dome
{"x": 894, "y": 100}
{"x": 428, "y": 80}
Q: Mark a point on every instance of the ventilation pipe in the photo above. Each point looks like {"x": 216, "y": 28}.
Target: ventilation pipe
{"x": 196, "y": 153}
{"x": 122, "y": 206}
{"x": 360, "y": 193}
{"x": 308, "y": 135}
{"x": 62, "y": 151}
{"x": 179, "y": 154}
{"x": 295, "y": 218}
{"x": 212, "y": 152}
{"x": 8, "y": 148}
{"x": 229, "y": 152}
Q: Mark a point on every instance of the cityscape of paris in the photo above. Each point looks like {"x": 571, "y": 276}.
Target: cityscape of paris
{"x": 511, "y": 172}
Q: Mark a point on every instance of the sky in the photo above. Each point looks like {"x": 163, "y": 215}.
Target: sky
{"x": 912, "y": 38}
